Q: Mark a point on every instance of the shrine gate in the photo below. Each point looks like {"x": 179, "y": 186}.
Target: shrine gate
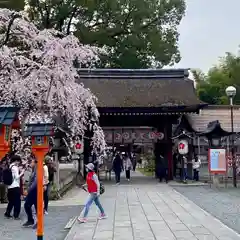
{"x": 131, "y": 99}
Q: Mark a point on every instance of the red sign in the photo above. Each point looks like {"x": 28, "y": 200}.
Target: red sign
{"x": 159, "y": 135}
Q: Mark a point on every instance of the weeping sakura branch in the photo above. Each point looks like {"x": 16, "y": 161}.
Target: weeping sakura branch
{"x": 32, "y": 60}
{"x": 20, "y": 145}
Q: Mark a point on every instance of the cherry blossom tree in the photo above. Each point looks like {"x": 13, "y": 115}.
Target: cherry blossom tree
{"x": 38, "y": 73}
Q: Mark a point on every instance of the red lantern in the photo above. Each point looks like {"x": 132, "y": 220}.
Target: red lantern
{"x": 78, "y": 146}
{"x": 183, "y": 147}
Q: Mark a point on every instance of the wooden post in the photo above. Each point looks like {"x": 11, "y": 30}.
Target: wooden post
{"x": 40, "y": 153}
{"x": 57, "y": 176}
{"x": 40, "y": 220}
{"x": 168, "y": 139}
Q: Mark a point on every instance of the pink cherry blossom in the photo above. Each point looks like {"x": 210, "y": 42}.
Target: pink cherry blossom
{"x": 38, "y": 74}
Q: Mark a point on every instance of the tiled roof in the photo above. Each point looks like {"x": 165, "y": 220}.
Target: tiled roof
{"x": 140, "y": 88}
{"x": 200, "y": 121}
{"x": 40, "y": 129}
{"x": 8, "y": 114}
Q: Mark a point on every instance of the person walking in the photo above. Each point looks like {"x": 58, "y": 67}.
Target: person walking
{"x": 14, "y": 191}
{"x": 96, "y": 162}
{"x": 93, "y": 188}
{"x": 31, "y": 198}
{"x": 185, "y": 165}
{"x": 117, "y": 167}
{"x": 162, "y": 167}
{"x": 179, "y": 167}
{"x": 3, "y": 190}
{"x": 47, "y": 159}
{"x": 134, "y": 162}
{"x": 196, "y": 163}
{"x": 175, "y": 161}
{"x": 128, "y": 166}
{"x": 51, "y": 172}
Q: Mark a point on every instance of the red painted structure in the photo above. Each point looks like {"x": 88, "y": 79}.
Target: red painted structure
{"x": 8, "y": 121}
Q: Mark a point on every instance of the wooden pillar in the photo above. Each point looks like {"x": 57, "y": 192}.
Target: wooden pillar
{"x": 160, "y": 145}
{"x": 168, "y": 125}
{"x": 156, "y": 154}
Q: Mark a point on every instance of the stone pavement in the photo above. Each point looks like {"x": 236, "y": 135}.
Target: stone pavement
{"x": 60, "y": 212}
{"x": 223, "y": 203}
{"x": 149, "y": 211}
{"x": 55, "y": 222}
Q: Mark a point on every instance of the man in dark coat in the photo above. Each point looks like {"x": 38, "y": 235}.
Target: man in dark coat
{"x": 162, "y": 168}
{"x": 117, "y": 167}
{"x": 134, "y": 162}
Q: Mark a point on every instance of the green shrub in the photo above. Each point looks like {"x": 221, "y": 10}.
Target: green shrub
{"x": 54, "y": 194}
{"x": 149, "y": 165}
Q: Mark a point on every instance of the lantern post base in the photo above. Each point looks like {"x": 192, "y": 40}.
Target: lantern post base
{"x": 39, "y": 237}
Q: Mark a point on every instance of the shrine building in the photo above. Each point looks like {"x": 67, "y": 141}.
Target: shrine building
{"x": 140, "y": 107}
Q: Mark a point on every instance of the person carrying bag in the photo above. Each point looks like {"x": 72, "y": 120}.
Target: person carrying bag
{"x": 94, "y": 189}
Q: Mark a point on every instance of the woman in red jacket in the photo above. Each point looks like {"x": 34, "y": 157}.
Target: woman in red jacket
{"x": 93, "y": 187}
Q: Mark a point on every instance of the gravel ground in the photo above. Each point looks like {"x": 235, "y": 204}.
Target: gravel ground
{"x": 55, "y": 222}
{"x": 224, "y": 204}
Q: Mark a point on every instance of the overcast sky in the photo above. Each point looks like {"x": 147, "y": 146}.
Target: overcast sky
{"x": 209, "y": 29}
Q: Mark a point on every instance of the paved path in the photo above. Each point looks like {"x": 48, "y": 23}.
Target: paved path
{"x": 60, "y": 212}
{"x": 55, "y": 222}
{"x": 222, "y": 203}
{"x": 150, "y": 211}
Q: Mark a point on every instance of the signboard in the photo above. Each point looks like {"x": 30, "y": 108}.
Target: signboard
{"x": 117, "y": 136}
{"x": 108, "y": 136}
{"x": 128, "y": 136}
{"x": 217, "y": 162}
{"x": 183, "y": 147}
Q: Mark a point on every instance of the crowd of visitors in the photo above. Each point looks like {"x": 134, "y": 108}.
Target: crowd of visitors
{"x": 182, "y": 166}
{"x": 13, "y": 188}
{"x": 127, "y": 162}
{"x": 123, "y": 162}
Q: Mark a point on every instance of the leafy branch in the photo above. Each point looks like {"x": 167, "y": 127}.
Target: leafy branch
{"x": 14, "y": 16}
{"x": 70, "y": 19}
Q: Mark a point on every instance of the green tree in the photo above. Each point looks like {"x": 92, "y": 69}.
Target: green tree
{"x": 211, "y": 86}
{"x": 136, "y": 33}
{"x": 17, "y": 5}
